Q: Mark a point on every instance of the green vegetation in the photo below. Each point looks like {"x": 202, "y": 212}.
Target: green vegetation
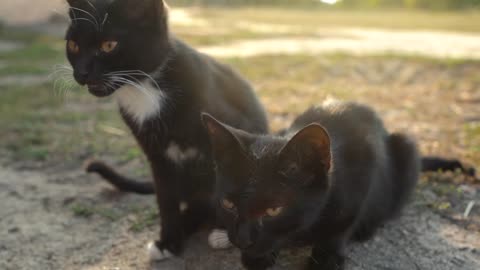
{"x": 46, "y": 119}
{"x": 144, "y": 218}
{"x": 307, "y": 22}
{"x": 88, "y": 210}
{"x": 410, "y": 4}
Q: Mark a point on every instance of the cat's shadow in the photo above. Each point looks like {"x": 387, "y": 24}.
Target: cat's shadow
{"x": 199, "y": 256}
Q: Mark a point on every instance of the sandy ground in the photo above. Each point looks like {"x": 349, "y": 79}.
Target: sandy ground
{"x": 40, "y": 231}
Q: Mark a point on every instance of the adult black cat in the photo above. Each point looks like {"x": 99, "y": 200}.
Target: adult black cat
{"x": 123, "y": 48}
{"x": 335, "y": 176}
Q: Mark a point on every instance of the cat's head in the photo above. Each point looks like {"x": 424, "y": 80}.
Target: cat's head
{"x": 268, "y": 188}
{"x": 111, "y": 42}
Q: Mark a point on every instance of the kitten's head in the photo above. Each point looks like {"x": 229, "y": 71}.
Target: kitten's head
{"x": 268, "y": 188}
{"x": 111, "y": 42}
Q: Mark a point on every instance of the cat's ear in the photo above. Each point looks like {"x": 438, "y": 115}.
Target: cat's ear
{"x": 308, "y": 150}
{"x": 74, "y": 3}
{"x": 145, "y": 12}
{"x": 81, "y": 4}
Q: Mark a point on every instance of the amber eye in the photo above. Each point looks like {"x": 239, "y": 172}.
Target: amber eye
{"x": 273, "y": 212}
{"x": 108, "y": 46}
{"x": 72, "y": 46}
{"x": 227, "y": 204}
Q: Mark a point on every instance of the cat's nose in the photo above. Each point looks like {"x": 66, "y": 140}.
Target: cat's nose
{"x": 81, "y": 76}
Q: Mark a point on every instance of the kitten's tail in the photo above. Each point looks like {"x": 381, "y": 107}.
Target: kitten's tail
{"x": 430, "y": 164}
{"x": 406, "y": 165}
{"x": 119, "y": 181}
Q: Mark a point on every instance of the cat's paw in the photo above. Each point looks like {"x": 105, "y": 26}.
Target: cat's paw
{"x": 218, "y": 239}
{"x": 157, "y": 254}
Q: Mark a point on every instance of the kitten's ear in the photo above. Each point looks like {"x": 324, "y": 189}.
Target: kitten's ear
{"x": 309, "y": 150}
{"x": 222, "y": 139}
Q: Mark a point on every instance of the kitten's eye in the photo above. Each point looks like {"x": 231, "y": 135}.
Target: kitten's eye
{"x": 273, "y": 212}
{"x": 108, "y": 46}
{"x": 227, "y": 204}
{"x": 73, "y": 46}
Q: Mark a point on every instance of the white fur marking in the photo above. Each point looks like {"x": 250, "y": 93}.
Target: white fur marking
{"x": 183, "y": 206}
{"x": 177, "y": 155}
{"x": 140, "y": 102}
{"x": 157, "y": 255}
{"x": 218, "y": 239}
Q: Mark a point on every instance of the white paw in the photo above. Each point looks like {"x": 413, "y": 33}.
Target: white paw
{"x": 183, "y": 206}
{"x": 157, "y": 255}
{"x": 218, "y": 239}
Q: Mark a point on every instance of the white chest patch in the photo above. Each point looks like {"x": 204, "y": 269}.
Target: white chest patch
{"x": 141, "y": 101}
{"x": 178, "y": 155}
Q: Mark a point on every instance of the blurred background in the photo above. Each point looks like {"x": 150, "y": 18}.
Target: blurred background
{"x": 417, "y": 62}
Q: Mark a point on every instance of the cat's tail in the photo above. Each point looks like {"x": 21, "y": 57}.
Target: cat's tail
{"x": 120, "y": 182}
{"x": 430, "y": 164}
{"x": 406, "y": 165}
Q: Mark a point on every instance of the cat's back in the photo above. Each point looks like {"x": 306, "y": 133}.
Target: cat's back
{"x": 220, "y": 90}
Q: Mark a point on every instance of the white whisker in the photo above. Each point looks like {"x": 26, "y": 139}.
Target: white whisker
{"x": 84, "y": 19}
{"x": 95, "y": 22}
{"x": 90, "y": 4}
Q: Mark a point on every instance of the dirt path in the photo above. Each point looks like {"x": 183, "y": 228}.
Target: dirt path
{"x": 39, "y": 230}
{"x": 359, "y": 42}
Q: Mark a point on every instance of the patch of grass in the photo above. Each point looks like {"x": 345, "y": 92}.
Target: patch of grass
{"x": 315, "y": 18}
{"x": 81, "y": 210}
{"x": 110, "y": 214}
{"x": 36, "y": 51}
{"x": 145, "y": 218}
{"x": 87, "y": 211}
{"x": 23, "y": 68}
{"x": 132, "y": 153}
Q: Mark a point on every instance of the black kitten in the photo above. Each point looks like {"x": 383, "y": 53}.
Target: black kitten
{"x": 335, "y": 177}
{"x": 123, "y": 48}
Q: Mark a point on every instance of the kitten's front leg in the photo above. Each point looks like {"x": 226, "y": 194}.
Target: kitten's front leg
{"x": 167, "y": 193}
{"x": 259, "y": 263}
{"x": 327, "y": 257}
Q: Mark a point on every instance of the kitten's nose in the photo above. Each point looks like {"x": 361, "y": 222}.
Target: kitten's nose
{"x": 244, "y": 236}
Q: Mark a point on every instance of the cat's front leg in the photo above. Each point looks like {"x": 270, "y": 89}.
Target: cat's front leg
{"x": 259, "y": 263}
{"x": 172, "y": 229}
{"x": 327, "y": 257}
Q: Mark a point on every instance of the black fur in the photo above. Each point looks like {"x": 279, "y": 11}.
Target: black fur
{"x": 337, "y": 173}
{"x": 191, "y": 83}
{"x": 441, "y": 164}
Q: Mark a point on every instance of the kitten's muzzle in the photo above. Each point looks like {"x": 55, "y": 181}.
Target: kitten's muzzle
{"x": 244, "y": 236}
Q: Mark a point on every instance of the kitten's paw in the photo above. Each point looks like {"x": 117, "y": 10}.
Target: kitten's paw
{"x": 259, "y": 263}
{"x": 156, "y": 254}
{"x": 218, "y": 239}
{"x": 183, "y": 206}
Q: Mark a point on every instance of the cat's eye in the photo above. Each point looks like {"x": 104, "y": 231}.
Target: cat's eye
{"x": 73, "y": 46}
{"x": 108, "y": 46}
{"x": 273, "y": 212}
{"x": 227, "y": 204}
